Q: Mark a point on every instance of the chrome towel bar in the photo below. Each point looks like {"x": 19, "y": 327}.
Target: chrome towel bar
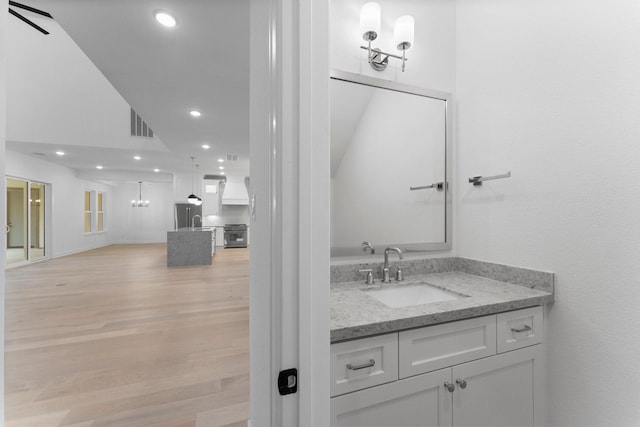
{"x": 477, "y": 180}
{"x": 437, "y": 185}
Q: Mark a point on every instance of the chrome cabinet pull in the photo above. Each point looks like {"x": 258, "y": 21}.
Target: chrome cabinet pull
{"x": 461, "y": 383}
{"x": 450, "y": 387}
{"x": 363, "y": 366}
{"x": 525, "y": 328}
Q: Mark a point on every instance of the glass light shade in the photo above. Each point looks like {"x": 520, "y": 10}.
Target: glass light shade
{"x": 403, "y": 32}
{"x": 370, "y": 20}
{"x": 193, "y": 199}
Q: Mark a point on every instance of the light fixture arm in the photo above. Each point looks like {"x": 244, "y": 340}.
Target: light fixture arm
{"x": 379, "y": 59}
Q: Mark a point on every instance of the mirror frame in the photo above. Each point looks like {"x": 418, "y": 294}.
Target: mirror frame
{"x": 447, "y": 244}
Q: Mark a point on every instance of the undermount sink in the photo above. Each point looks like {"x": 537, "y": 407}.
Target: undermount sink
{"x": 408, "y": 295}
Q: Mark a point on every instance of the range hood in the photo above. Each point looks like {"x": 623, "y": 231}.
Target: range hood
{"x": 235, "y": 193}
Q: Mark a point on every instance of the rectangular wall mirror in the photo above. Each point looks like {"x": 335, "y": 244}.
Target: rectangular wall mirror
{"x": 390, "y": 166}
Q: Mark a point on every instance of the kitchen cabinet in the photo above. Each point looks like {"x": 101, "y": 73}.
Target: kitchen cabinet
{"x": 493, "y": 376}
{"x": 211, "y": 197}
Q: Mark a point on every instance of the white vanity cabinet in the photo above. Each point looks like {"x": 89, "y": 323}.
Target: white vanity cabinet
{"x": 484, "y": 371}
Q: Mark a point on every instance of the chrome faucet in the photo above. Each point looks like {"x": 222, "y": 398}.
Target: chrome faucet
{"x": 385, "y": 269}
{"x": 366, "y": 245}
{"x": 193, "y": 221}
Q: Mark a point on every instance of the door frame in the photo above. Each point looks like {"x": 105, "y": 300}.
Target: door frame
{"x": 4, "y": 6}
{"x": 47, "y": 219}
{"x": 289, "y": 301}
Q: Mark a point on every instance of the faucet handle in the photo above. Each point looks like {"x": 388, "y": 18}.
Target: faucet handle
{"x": 369, "y": 272}
{"x": 399, "y": 276}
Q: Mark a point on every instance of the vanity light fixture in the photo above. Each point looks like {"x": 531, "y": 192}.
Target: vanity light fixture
{"x": 140, "y": 203}
{"x": 165, "y": 19}
{"x": 370, "y": 28}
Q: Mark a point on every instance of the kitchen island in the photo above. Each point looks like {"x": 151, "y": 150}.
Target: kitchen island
{"x": 191, "y": 246}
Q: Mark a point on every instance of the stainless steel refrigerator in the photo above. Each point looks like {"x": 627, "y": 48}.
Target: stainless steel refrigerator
{"x": 185, "y": 213}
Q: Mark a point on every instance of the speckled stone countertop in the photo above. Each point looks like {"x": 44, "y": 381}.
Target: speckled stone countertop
{"x": 354, "y": 314}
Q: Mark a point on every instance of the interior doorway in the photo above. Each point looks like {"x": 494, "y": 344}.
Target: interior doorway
{"x": 25, "y": 228}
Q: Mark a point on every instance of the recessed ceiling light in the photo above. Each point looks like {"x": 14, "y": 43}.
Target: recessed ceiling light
{"x": 206, "y": 146}
{"x": 60, "y": 153}
{"x": 137, "y": 157}
{"x": 221, "y": 173}
{"x": 221, "y": 167}
{"x": 99, "y": 167}
{"x": 156, "y": 170}
{"x": 165, "y": 19}
{"x": 220, "y": 160}
{"x": 195, "y": 113}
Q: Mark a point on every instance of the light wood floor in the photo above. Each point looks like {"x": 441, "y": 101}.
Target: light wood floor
{"x": 113, "y": 337}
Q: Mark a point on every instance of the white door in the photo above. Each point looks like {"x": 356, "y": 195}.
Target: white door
{"x": 420, "y": 401}
{"x": 498, "y": 391}
{"x": 290, "y": 194}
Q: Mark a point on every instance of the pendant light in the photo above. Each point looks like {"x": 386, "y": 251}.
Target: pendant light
{"x": 140, "y": 203}
{"x": 193, "y": 199}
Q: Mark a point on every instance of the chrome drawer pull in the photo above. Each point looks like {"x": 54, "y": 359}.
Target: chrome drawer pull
{"x": 363, "y": 366}
{"x": 525, "y": 328}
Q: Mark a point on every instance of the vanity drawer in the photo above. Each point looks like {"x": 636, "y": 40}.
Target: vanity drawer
{"x": 363, "y": 363}
{"x": 434, "y": 347}
{"x": 520, "y": 328}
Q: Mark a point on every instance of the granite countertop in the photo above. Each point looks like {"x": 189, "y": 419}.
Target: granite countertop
{"x": 354, "y": 314}
{"x": 211, "y": 228}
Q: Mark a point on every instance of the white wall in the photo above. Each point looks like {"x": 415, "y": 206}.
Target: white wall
{"x": 123, "y": 224}
{"x": 45, "y": 70}
{"x": 431, "y": 61}
{"x": 67, "y": 208}
{"x": 141, "y": 225}
{"x": 550, "y": 91}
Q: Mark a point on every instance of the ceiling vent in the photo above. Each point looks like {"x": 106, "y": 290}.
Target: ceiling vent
{"x": 139, "y": 127}
{"x": 218, "y": 177}
{"x": 232, "y": 157}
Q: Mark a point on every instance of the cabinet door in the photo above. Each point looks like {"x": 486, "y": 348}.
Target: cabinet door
{"x": 418, "y": 401}
{"x": 503, "y": 390}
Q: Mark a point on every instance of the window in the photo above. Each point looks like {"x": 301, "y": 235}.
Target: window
{"x": 87, "y": 211}
{"x": 100, "y": 212}
{"x": 93, "y": 211}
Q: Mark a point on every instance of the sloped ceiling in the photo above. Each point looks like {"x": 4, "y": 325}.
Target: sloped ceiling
{"x": 57, "y": 98}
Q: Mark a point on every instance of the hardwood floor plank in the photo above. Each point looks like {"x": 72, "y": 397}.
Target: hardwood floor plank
{"x": 113, "y": 337}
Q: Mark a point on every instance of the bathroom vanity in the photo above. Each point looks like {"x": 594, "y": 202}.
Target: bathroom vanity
{"x": 472, "y": 359}
{"x": 458, "y": 342}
